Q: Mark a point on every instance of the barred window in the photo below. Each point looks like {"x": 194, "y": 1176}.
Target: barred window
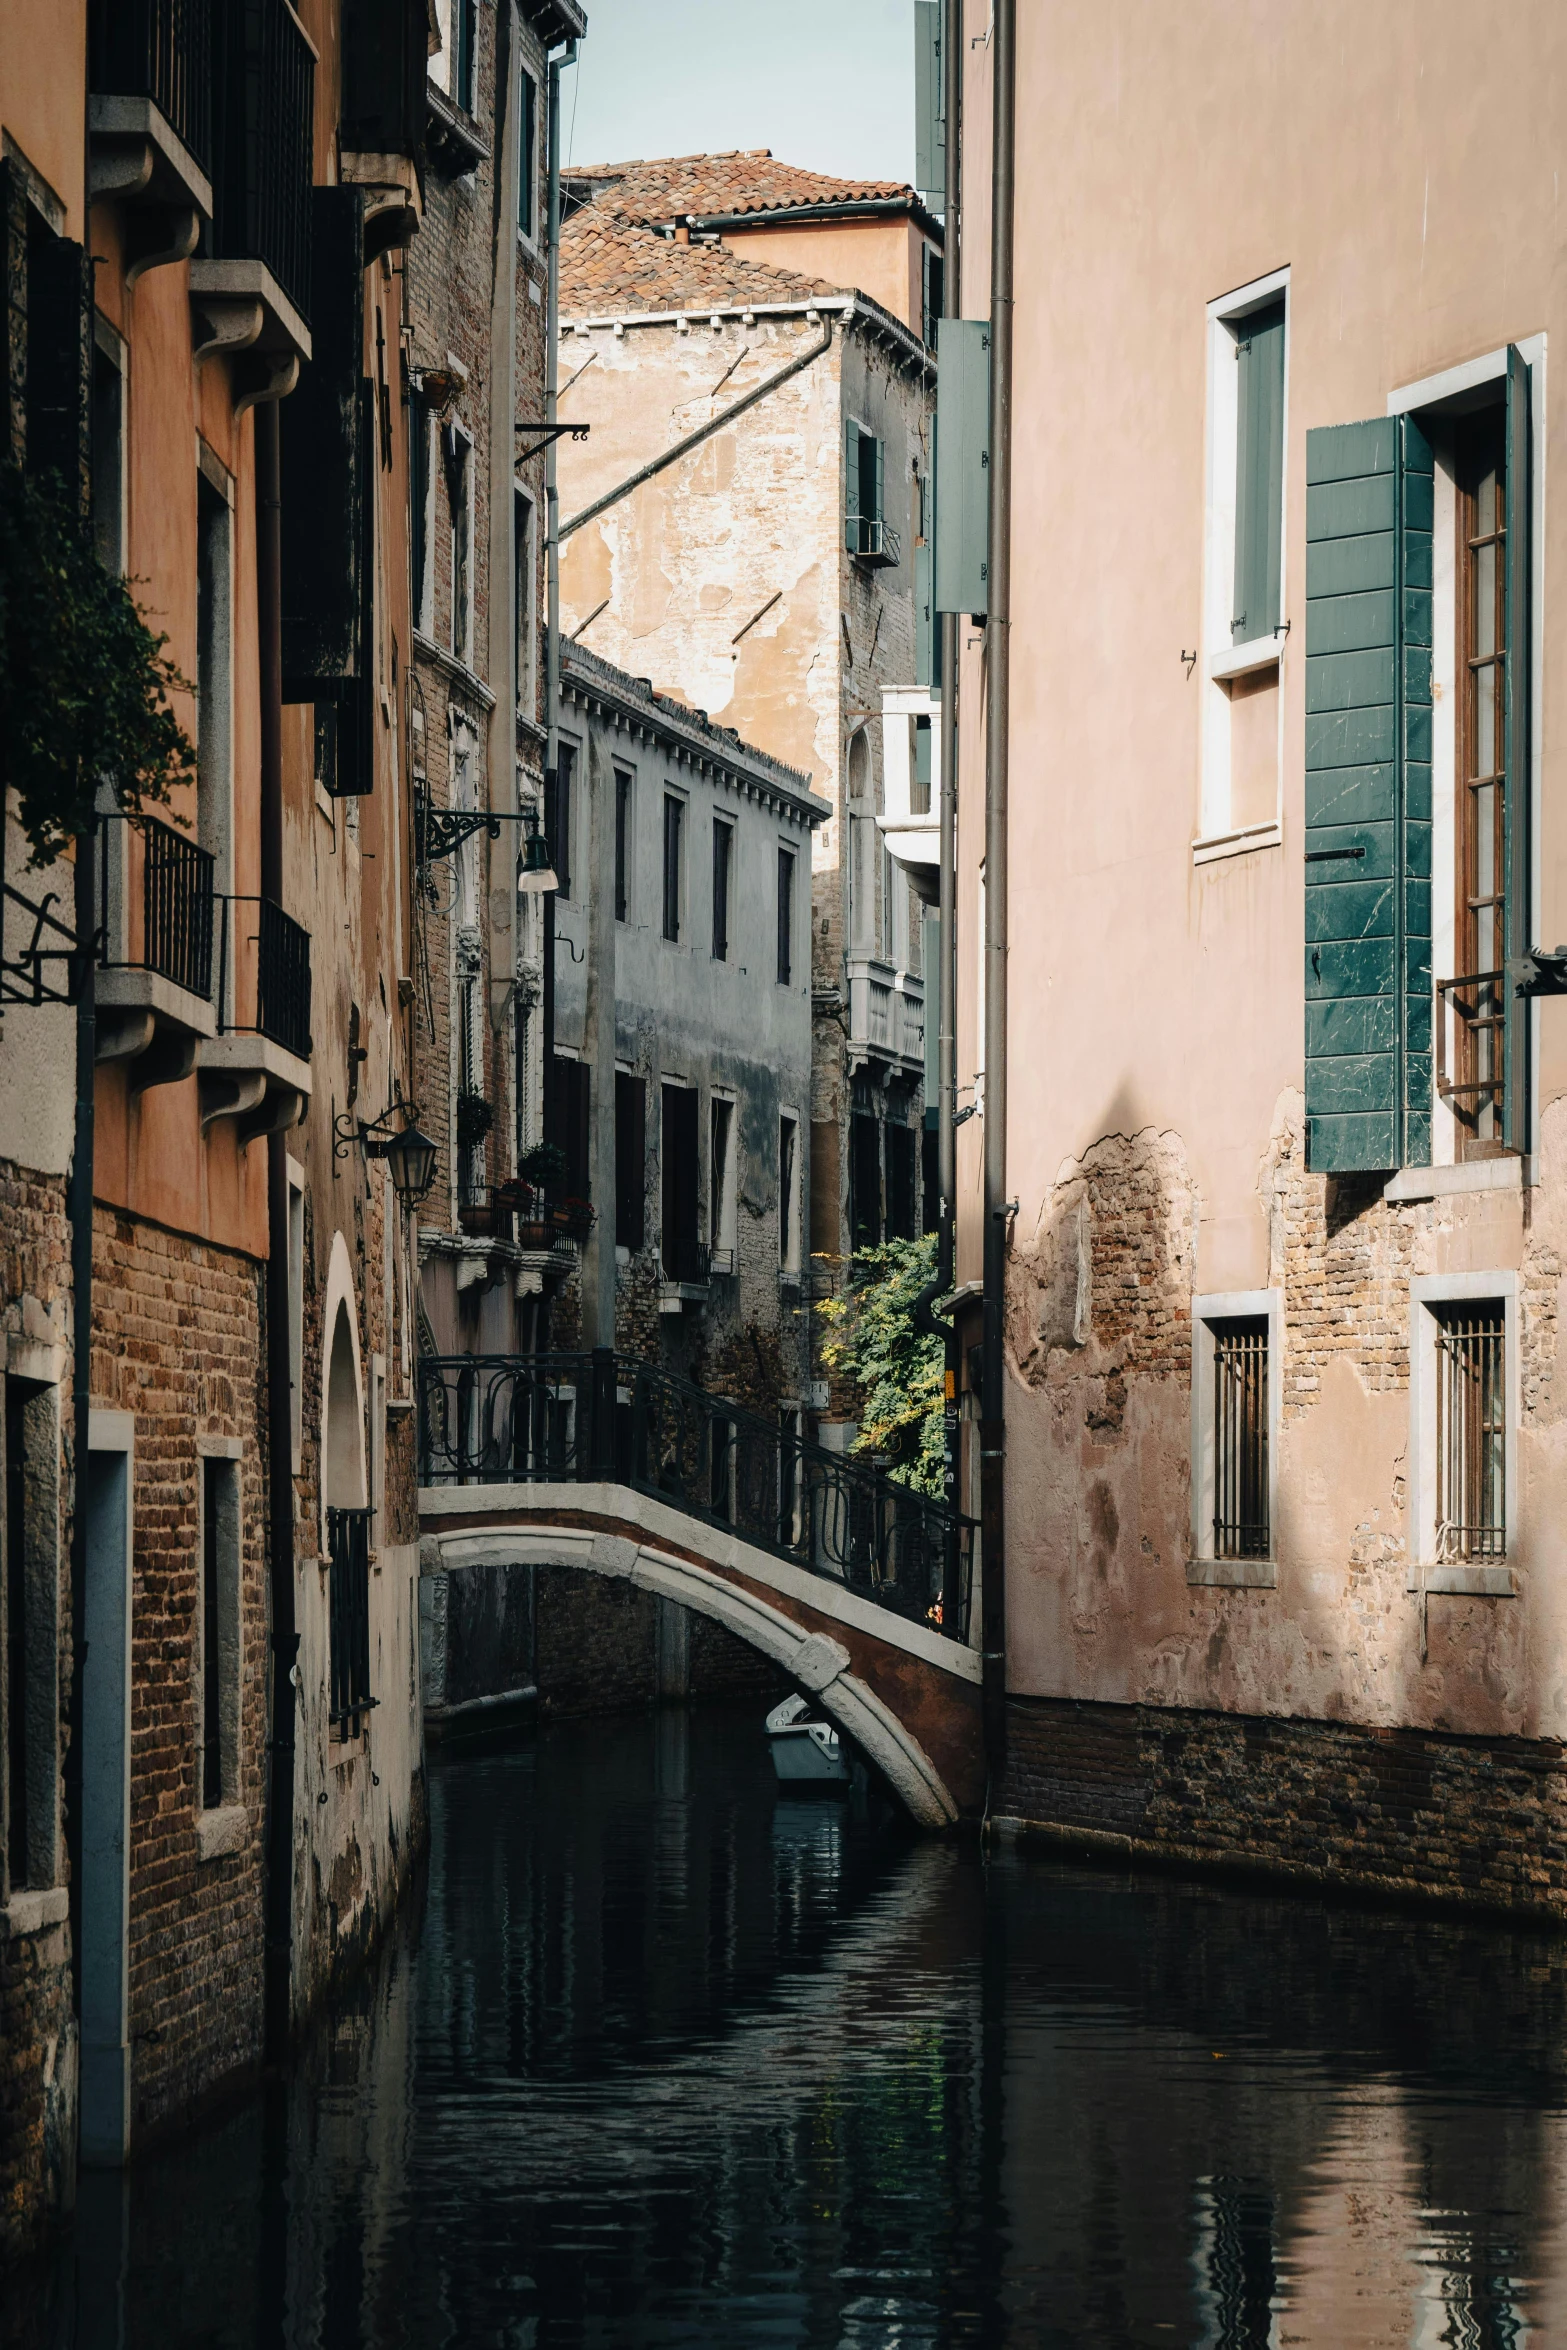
{"x": 1471, "y": 1432}
{"x": 1240, "y": 1438}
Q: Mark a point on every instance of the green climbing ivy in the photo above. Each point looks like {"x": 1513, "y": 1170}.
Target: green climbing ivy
{"x": 899, "y": 1371}
{"x": 84, "y": 682}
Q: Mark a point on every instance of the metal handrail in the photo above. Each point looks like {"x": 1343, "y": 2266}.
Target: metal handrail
{"x": 177, "y": 898}
{"x": 22, "y": 975}
{"x": 1450, "y": 1089}
{"x": 603, "y": 1417}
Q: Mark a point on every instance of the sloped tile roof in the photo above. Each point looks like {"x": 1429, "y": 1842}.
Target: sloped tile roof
{"x": 609, "y": 265}
{"x": 743, "y": 180}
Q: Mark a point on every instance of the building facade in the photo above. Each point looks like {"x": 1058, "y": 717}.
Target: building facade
{"x": 477, "y": 303}
{"x": 745, "y": 527}
{"x": 682, "y": 929}
{"x": 214, "y": 1761}
{"x": 1284, "y": 1118}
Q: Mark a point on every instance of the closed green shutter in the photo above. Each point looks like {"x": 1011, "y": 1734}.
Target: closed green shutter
{"x": 851, "y": 487}
{"x": 1368, "y": 795}
{"x": 930, "y": 127}
{"x": 962, "y": 467}
{"x": 1259, "y": 473}
{"x": 1519, "y": 784}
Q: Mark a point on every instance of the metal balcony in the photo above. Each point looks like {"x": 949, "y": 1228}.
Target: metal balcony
{"x": 160, "y": 53}
{"x": 873, "y": 542}
{"x": 250, "y": 284}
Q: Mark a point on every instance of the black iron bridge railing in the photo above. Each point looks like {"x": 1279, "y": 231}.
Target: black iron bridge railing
{"x": 587, "y": 1418}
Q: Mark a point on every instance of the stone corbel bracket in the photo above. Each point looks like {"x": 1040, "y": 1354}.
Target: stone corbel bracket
{"x": 139, "y": 163}
{"x": 239, "y": 312}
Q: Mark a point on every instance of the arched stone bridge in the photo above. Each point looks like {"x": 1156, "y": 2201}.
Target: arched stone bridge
{"x": 844, "y": 1579}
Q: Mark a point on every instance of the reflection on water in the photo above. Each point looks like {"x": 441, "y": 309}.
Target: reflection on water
{"x": 662, "y": 2060}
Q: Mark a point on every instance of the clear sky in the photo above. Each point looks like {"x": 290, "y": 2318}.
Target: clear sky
{"x": 825, "y": 83}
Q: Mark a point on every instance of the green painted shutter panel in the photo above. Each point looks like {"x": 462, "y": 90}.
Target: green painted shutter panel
{"x": 1519, "y": 784}
{"x": 1368, "y": 795}
{"x": 923, "y": 661}
{"x": 1259, "y": 473}
{"x": 962, "y": 465}
{"x": 930, "y": 131}
{"x": 851, "y": 487}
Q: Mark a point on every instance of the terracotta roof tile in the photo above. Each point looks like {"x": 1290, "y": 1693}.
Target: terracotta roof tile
{"x": 608, "y": 265}
{"x": 744, "y": 180}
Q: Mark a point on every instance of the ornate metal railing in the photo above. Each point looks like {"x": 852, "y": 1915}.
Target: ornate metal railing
{"x": 348, "y": 1572}
{"x": 566, "y": 1418}
{"x": 530, "y": 1214}
{"x": 176, "y": 907}
{"x": 160, "y": 50}
{"x": 38, "y": 955}
{"x": 265, "y": 970}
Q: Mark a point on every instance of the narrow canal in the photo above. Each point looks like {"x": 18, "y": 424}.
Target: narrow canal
{"x": 658, "y": 2058}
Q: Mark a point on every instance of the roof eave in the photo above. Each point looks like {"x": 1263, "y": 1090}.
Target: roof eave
{"x": 860, "y": 208}
{"x": 557, "y": 20}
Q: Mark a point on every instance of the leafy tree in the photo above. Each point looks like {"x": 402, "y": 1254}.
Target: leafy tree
{"x": 84, "y": 683}
{"x": 899, "y": 1371}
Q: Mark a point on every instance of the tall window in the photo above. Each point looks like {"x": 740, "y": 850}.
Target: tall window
{"x": 420, "y": 427}
{"x": 865, "y": 1180}
{"x": 523, "y": 586}
{"x": 557, "y": 818}
{"x": 723, "y": 858}
{"x": 900, "y": 1180}
{"x": 1471, "y": 1433}
{"x": 674, "y": 849}
{"x": 623, "y": 789}
{"x": 1259, "y": 472}
{"x": 220, "y": 1643}
{"x": 721, "y": 1177}
{"x": 527, "y": 155}
{"x": 16, "y": 1626}
{"x": 464, "y": 33}
{"x": 458, "y": 451}
{"x": 1240, "y": 1438}
{"x": 472, "y": 1122}
{"x": 785, "y": 917}
{"x": 789, "y": 1194}
{"x": 1475, "y": 1092}
{"x": 214, "y": 605}
{"x": 865, "y": 533}
{"x": 108, "y": 452}
{"x": 630, "y": 1160}
{"x": 684, "y": 1257}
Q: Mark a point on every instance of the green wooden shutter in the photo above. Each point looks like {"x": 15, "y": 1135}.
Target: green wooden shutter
{"x": 962, "y": 467}
{"x": 1259, "y": 473}
{"x": 878, "y": 493}
{"x": 1368, "y": 795}
{"x": 930, "y": 127}
{"x": 1519, "y": 783}
{"x": 851, "y": 487}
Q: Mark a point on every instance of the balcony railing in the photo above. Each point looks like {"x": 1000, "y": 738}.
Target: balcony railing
{"x": 533, "y": 1217}
{"x": 160, "y": 50}
{"x": 176, "y": 906}
{"x": 264, "y": 971}
{"x": 263, "y": 145}
{"x": 564, "y": 1418}
{"x": 873, "y": 542}
{"x": 686, "y": 1259}
{"x": 348, "y": 1570}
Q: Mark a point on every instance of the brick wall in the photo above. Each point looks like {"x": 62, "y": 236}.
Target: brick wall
{"x": 597, "y": 1649}
{"x": 178, "y": 1341}
{"x": 1476, "y": 1821}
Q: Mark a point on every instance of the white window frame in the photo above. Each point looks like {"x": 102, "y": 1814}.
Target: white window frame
{"x": 722, "y": 1199}
{"x": 525, "y": 575}
{"x": 219, "y": 1823}
{"x": 1444, "y": 394}
{"x": 110, "y": 345}
{"x": 215, "y": 721}
{"x": 789, "y": 1211}
{"x": 683, "y": 944}
{"x": 528, "y": 150}
{"x": 1220, "y": 660}
{"x": 424, "y": 586}
{"x": 1427, "y": 1573}
{"x": 462, "y": 652}
{"x": 1231, "y": 1305}
{"x": 624, "y": 772}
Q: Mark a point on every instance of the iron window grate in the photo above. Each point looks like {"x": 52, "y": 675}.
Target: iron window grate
{"x": 1471, "y": 1433}
{"x": 1241, "y": 1528}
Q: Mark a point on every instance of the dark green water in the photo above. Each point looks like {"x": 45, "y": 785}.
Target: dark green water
{"x": 659, "y": 2059}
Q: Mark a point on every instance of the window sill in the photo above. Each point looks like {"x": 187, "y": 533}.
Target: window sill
{"x": 226, "y": 1829}
{"x": 1238, "y": 844}
{"x": 1234, "y": 1574}
{"x": 722, "y": 1260}
{"x": 1498, "y": 1582}
{"x": 32, "y": 1913}
{"x": 1263, "y": 652}
{"x": 1411, "y": 1183}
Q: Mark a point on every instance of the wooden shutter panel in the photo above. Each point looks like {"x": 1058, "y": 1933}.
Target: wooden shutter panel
{"x": 59, "y": 363}
{"x": 851, "y": 487}
{"x": 324, "y": 459}
{"x": 630, "y": 1160}
{"x": 962, "y": 466}
{"x": 1368, "y": 795}
{"x": 1519, "y": 783}
{"x": 930, "y": 129}
{"x": 1259, "y": 475}
{"x": 385, "y": 56}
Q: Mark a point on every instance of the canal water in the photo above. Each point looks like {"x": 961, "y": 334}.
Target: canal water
{"x": 658, "y": 2058}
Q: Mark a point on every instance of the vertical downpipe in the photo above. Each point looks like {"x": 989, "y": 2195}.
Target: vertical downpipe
{"x": 997, "y": 630}
{"x": 947, "y": 952}
{"x": 280, "y": 1402}
{"x": 79, "y": 1208}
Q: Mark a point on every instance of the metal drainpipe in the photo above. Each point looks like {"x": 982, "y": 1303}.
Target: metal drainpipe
{"x": 552, "y": 525}
{"x": 947, "y": 982}
{"x": 79, "y": 1201}
{"x": 992, "y": 1403}
{"x": 277, "y": 1980}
